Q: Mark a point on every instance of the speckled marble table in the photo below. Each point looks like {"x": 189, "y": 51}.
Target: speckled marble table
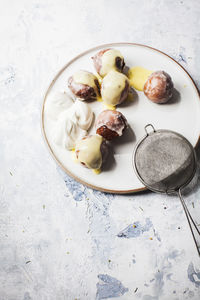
{"x": 59, "y": 239}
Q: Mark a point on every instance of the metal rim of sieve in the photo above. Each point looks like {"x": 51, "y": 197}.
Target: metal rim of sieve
{"x": 148, "y": 134}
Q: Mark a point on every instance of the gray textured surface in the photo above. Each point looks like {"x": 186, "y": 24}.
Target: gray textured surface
{"x": 59, "y": 239}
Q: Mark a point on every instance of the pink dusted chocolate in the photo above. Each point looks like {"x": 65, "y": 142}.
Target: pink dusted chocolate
{"x": 110, "y": 124}
{"x": 97, "y": 60}
{"x": 159, "y": 87}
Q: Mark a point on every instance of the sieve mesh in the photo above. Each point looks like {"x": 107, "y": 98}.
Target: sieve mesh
{"x": 164, "y": 161}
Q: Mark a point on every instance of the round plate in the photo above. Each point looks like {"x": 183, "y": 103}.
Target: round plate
{"x": 180, "y": 115}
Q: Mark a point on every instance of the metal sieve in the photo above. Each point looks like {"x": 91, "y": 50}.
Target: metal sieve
{"x": 165, "y": 162}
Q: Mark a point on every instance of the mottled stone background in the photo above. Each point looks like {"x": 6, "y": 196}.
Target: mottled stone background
{"x": 58, "y": 239}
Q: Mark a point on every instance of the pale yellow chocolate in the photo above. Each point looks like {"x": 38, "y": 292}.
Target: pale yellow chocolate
{"x": 108, "y": 61}
{"x": 89, "y": 151}
{"x": 109, "y": 106}
{"x": 87, "y": 78}
{"x": 138, "y": 76}
{"x": 113, "y": 85}
{"x": 97, "y": 171}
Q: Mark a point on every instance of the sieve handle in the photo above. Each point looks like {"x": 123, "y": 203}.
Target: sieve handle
{"x": 146, "y": 130}
{"x": 190, "y": 220}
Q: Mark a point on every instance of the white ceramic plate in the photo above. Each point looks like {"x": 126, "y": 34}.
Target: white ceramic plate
{"x": 180, "y": 115}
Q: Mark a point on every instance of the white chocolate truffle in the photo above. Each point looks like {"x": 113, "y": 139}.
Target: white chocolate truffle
{"x": 114, "y": 88}
{"x": 107, "y": 60}
{"x": 88, "y": 151}
{"x": 84, "y": 85}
